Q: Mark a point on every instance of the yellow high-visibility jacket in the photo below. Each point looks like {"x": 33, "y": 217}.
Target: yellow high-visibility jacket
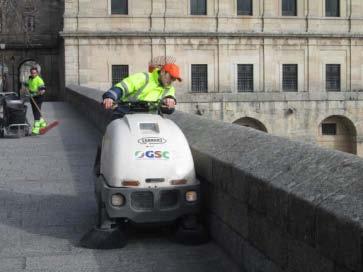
{"x": 141, "y": 87}
{"x": 35, "y": 84}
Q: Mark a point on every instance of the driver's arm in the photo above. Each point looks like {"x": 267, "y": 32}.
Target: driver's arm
{"x": 111, "y": 96}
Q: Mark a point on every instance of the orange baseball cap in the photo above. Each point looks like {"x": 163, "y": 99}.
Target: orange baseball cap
{"x": 173, "y": 70}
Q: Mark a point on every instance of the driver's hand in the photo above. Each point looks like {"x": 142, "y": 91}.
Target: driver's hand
{"x": 108, "y": 103}
{"x": 169, "y": 102}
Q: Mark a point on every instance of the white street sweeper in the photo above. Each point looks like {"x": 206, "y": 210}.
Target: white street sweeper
{"x": 144, "y": 173}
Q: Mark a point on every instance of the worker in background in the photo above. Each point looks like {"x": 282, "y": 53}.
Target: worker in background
{"x": 36, "y": 88}
{"x": 146, "y": 87}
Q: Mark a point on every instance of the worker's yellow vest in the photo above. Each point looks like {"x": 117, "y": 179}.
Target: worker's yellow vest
{"x": 144, "y": 87}
{"x": 35, "y": 83}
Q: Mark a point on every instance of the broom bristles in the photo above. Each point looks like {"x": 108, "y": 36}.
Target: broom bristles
{"x": 48, "y": 127}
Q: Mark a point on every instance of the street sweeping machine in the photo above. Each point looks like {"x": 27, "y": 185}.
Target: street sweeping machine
{"x": 13, "y": 122}
{"x": 144, "y": 173}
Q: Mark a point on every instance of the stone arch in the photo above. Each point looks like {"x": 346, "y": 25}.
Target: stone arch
{"x": 338, "y": 132}
{"x": 24, "y": 69}
{"x": 251, "y": 122}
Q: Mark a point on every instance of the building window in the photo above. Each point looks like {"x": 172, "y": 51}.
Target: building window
{"x": 198, "y": 7}
{"x": 333, "y": 77}
{"x": 29, "y": 25}
{"x": 332, "y": 8}
{"x": 119, "y": 7}
{"x": 289, "y": 8}
{"x": 289, "y": 77}
{"x": 199, "y": 78}
{"x": 244, "y": 7}
{"x": 119, "y": 72}
{"x": 245, "y": 77}
{"x": 329, "y": 129}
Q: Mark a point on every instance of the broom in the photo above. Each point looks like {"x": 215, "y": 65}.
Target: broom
{"x": 50, "y": 125}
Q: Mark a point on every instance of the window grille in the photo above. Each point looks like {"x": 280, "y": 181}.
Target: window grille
{"x": 119, "y": 72}
{"x": 332, "y": 8}
{"x": 289, "y": 77}
{"x": 29, "y": 24}
{"x": 333, "y": 77}
{"x": 245, "y": 77}
{"x": 289, "y": 8}
{"x": 199, "y": 78}
{"x": 329, "y": 129}
{"x": 244, "y": 7}
{"x": 198, "y": 7}
{"x": 119, "y": 7}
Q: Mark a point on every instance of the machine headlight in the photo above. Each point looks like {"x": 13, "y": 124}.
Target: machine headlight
{"x": 117, "y": 200}
{"x": 178, "y": 181}
{"x": 128, "y": 183}
{"x": 191, "y": 196}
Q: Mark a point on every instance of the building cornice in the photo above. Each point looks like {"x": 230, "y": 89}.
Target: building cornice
{"x": 151, "y": 34}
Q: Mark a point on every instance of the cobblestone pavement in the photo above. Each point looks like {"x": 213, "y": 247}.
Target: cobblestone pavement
{"x": 47, "y": 204}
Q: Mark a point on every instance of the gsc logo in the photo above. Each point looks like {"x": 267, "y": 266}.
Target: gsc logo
{"x": 150, "y": 154}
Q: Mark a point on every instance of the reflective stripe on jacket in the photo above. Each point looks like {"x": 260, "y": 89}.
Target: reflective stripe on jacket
{"x": 144, "y": 87}
{"x": 35, "y": 84}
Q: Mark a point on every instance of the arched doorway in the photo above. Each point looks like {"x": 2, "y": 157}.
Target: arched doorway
{"x": 24, "y": 70}
{"x": 251, "y": 122}
{"x": 339, "y": 133}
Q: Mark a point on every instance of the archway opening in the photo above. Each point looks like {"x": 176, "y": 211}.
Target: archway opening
{"x": 339, "y": 133}
{"x": 24, "y": 70}
{"x": 251, "y": 122}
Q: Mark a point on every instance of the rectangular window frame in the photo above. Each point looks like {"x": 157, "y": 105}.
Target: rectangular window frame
{"x": 28, "y": 23}
{"x": 332, "y": 9}
{"x": 290, "y": 78}
{"x": 245, "y": 80}
{"x": 333, "y": 79}
{"x": 198, "y": 7}
{"x": 119, "y": 72}
{"x": 244, "y": 9}
{"x": 289, "y": 7}
{"x": 199, "y": 78}
{"x": 124, "y": 8}
{"x": 329, "y": 129}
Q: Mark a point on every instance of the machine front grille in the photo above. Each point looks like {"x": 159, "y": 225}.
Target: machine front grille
{"x": 168, "y": 199}
{"x": 142, "y": 200}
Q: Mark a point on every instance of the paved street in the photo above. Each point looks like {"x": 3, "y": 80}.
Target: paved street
{"x": 47, "y": 204}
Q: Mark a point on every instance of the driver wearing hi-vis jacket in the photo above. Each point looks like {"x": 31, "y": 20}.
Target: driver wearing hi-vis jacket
{"x": 146, "y": 87}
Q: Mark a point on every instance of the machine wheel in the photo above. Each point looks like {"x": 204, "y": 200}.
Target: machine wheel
{"x": 20, "y": 132}
{"x": 97, "y": 164}
{"x": 28, "y": 131}
{"x": 2, "y": 123}
{"x": 103, "y": 220}
{"x": 191, "y": 232}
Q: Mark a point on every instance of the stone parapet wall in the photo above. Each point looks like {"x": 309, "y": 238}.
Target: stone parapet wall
{"x": 272, "y": 203}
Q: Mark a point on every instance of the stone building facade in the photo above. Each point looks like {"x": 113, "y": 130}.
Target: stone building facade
{"x": 29, "y": 36}
{"x": 290, "y": 68}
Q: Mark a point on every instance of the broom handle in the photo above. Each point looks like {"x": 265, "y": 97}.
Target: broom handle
{"x": 35, "y": 103}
